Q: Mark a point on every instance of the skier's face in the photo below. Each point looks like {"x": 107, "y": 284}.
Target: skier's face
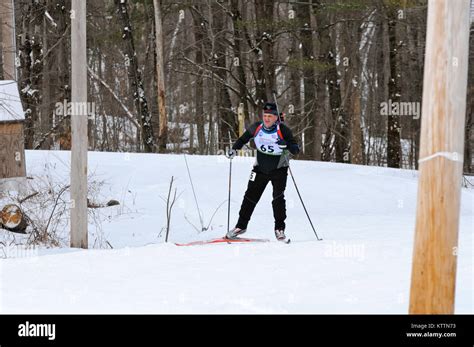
{"x": 269, "y": 119}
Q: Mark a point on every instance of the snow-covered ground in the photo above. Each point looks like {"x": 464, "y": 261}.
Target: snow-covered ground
{"x": 364, "y": 214}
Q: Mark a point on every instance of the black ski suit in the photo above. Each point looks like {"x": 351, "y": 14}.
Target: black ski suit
{"x": 267, "y": 168}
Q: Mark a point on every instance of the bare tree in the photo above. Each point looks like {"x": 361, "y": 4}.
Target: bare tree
{"x": 134, "y": 76}
{"x": 160, "y": 77}
{"x": 394, "y": 90}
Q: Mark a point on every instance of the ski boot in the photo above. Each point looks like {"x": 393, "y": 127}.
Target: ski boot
{"x": 233, "y": 233}
{"x": 280, "y": 235}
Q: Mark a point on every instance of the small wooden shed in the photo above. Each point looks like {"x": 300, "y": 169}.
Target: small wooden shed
{"x": 12, "y": 119}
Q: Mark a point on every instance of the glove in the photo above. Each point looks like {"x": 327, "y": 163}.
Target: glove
{"x": 294, "y": 149}
{"x": 282, "y": 144}
{"x": 231, "y": 153}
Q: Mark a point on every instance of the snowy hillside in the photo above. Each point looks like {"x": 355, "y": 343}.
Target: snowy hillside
{"x": 365, "y": 215}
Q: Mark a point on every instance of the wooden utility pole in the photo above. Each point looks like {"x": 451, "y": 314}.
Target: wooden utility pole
{"x": 441, "y": 158}
{"x": 79, "y": 125}
{"x": 160, "y": 77}
{"x": 8, "y": 39}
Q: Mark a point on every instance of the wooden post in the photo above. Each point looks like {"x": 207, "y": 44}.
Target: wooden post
{"x": 78, "y": 125}
{"x": 241, "y": 115}
{"x": 441, "y": 155}
{"x": 8, "y": 40}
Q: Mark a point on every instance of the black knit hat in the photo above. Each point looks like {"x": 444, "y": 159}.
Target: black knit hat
{"x": 270, "y": 107}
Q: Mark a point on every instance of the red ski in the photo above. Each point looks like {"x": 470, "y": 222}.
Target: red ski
{"x": 222, "y": 240}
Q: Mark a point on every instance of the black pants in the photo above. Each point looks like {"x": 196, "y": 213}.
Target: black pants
{"x": 255, "y": 190}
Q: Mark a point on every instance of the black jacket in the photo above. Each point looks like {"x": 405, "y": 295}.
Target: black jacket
{"x": 267, "y": 163}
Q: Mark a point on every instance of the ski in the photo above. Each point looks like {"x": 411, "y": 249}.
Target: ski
{"x": 285, "y": 241}
{"x": 222, "y": 240}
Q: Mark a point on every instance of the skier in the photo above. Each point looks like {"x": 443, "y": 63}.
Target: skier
{"x": 273, "y": 141}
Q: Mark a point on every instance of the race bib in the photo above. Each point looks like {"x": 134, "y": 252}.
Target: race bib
{"x": 253, "y": 174}
{"x": 266, "y": 143}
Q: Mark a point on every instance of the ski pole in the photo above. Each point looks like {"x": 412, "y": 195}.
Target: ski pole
{"x": 293, "y": 178}
{"x": 302, "y": 203}
{"x": 230, "y": 185}
{"x": 228, "y": 201}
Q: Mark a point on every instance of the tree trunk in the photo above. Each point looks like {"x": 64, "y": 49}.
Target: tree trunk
{"x": 25, "y": 86}
{"x": 338, "y": 125}
{"x": 228, "y": 120}
{"x": 199, "y": 83}
{"x": 47, "y": 83}
{"x": 63, "y": 7}
{"x": 415, "y": 80}
{"x": 8, "y": 41}
{"x": 160, "y": 78}
{"x": 468, "y": 141}
{"x": 135, "y": 78}
{"x": 266, "y": 65}
{"x": 238, "y": 37}
{"x": 295, "y": 110}
{"x": 353, "y": 73}
{"x": 31, "y": 66}
{"x": 394, "y": 92}
{"x": 339, "y": 113}
{"x": 309, "y": 81}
